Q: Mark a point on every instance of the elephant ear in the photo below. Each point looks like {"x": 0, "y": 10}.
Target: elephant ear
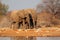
{"x": 20, "y": 13}
{"x": 14, "y": 15}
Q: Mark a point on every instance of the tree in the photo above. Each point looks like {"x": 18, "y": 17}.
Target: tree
{"x": 3, "y": 8}
{"x": 51, "y": 6}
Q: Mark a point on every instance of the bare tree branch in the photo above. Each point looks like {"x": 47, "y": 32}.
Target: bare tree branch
{"x": 52, "y": 6}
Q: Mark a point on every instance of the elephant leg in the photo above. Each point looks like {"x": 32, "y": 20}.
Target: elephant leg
{"x": 31, "y": 21}
{"x": 35, "y": 23}
{"x": 26, "y": 23}
{"x": 20, "y": 24}
{"x": 31, "y": 24}
{"x": 14, "y": 25}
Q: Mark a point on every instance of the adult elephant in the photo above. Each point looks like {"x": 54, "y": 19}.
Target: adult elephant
{"x": 25, "y": 18}
{"x": 14, "y": 18}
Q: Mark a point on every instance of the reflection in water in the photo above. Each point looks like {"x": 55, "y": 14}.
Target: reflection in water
{"x": 48, "y": 38}
{"x": 38, "y": 38}
{"x": 5, "y": 38}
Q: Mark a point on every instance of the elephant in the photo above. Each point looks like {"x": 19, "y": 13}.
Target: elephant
{"x": 13, "y": 18}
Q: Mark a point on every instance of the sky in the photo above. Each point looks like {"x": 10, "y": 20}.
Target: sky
{"x": 21, "y": 4}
